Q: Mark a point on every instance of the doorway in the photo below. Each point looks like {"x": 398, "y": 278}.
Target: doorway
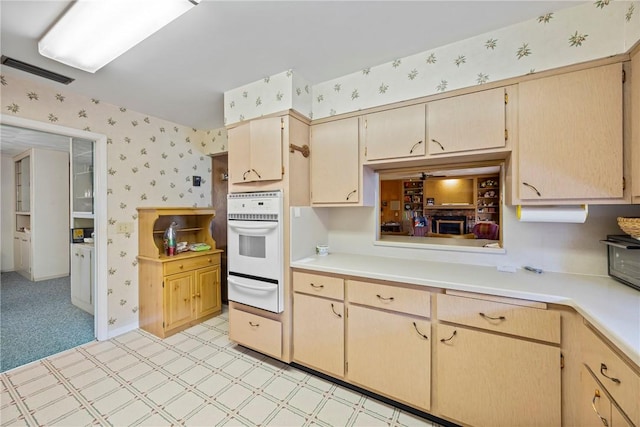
{"x": 100, "y": 204}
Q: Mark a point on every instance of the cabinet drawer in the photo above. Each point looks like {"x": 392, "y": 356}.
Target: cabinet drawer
{"x": 500, "y": 317}
{"x": 315, "y": 284}
{"x": 607, "y": 366}
{"x": 257, "y": 332}
{"x": 186, "y": 264}
{"x": 396, "y": 298}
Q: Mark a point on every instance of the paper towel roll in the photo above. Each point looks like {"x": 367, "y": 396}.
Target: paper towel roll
{"x": 574, "y": 214}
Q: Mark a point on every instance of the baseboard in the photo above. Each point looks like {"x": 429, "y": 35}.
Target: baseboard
{"x": 122, "y": 330}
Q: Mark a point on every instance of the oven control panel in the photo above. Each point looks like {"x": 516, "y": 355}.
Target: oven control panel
{"x": 255, "y": 203}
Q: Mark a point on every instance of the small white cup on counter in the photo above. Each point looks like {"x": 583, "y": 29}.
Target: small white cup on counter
{"x": 322, "y": 250}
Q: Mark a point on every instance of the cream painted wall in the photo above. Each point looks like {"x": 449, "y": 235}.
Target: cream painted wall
{"x": 7, "y": 220}
{"x": 567, "y": 248}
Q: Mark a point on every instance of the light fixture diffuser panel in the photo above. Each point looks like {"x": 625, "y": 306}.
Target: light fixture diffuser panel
{"x": 93, "y": 33}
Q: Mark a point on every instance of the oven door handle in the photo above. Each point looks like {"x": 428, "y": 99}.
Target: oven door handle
{"x": 259, "y": 229}
{"x": 268, "y": 288}
{"x": 620, "y": 245}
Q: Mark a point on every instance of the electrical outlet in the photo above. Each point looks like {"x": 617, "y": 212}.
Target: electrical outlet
{"x": 124, "y": 227}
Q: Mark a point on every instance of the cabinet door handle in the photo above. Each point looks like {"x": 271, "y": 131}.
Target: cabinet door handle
{"x": 533, "y": 188}
{"x": 181, "y": 266}
{"x": 492, "y": 318}
{"x": 450, "y": 338}
{"x": 82, "y": 256}
{"x": 244, "y": 175}
{"x": 334, "y": 311}
{"x": 596, "y": 395}
{"x": 316, "y": 286}
{"x": 209, "y": 260}
{"x": 603, "y": 369}
{"x": 350, "y": 194}
{"x": 414, "y": 146}
{"x": 256, "y": 172}
{"x": 255, "y": 325}
{"x": 418, "y": 331}
{"x": 441, "y": 147}
{"x": 385, "y": 299}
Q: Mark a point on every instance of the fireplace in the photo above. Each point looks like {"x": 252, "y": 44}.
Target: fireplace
{"x": 449, "y": 224}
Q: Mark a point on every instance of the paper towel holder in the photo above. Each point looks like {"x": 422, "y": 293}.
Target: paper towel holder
{"x": 576, "y": 214}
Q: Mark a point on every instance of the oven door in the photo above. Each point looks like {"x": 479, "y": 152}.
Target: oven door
{"x": 254, "y": 249}
{"x": 266, "y": 295}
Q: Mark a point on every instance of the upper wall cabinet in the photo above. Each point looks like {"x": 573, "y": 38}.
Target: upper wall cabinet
{"x": 255, "y": 151}
{"x": 635, "y": 126}
{"x": 334, "y": 163}
{"x": 467, "y": 122}
{"x": 82, "y": 178}
{"x": 570, "y": 137}
{"x": 396, "y": 133}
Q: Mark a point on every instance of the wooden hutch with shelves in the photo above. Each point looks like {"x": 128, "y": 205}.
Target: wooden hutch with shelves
{"x": 178, "y": 291}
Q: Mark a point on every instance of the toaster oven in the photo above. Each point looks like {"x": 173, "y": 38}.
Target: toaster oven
{"x": 623, "y": 254}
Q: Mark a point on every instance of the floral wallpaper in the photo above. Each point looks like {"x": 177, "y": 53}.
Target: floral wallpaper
{"x": 150, "y": 163}
{"x": 280, "y": 92}
{"x": 589, "y": 31}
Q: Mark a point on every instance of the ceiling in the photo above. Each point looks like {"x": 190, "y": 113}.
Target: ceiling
{"x": 181, "y": 72}
{"x": 16, "y": 140}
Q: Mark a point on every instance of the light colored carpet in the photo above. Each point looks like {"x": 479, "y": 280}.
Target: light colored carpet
{"x": 38, "y": 320}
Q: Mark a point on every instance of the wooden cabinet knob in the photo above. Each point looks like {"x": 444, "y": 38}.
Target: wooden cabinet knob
{"x": 181, "y": 266}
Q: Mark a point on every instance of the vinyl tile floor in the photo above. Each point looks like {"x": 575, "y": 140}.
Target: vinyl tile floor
{"x": 194, "y": 378}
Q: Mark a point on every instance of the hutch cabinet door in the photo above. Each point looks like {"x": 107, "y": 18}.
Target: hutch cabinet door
{"x": 179, "y": 295}
{"x": 208, "y": 298}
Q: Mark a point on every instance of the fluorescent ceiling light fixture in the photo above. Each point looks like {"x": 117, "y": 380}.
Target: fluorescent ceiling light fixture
{"x": 93, "y": 33}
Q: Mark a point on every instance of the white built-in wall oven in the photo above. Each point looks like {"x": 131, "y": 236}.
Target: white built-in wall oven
{"x": 255, "y": 250}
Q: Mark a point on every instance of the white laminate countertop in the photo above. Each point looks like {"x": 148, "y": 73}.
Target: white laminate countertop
{"x": 610, "y": 306}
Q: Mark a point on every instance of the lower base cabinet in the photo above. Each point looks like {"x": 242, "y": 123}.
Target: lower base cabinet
{"x": 82, "y": 277}
{"x": 179, "y": 292}
{"x": 254, "y": 331}
{"x": 492, "y": 380}
{"x": 390, "y": 354}
{"x": 318, "y": 334}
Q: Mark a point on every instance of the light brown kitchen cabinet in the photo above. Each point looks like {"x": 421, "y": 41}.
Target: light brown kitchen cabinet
{"x": 177, "y": 291}
{"x": 255, "y": 330}
{"x": 570, "y": 134}
{"x": 476, "y": 121}
{"x": 335, "y": 163}
{"x": 635, "y": 126}
{"x": 318, "y": 322}
{"x": 390, "y": 354}
{"x": 492, "y": 380}
{"x": 318, "y": 333}
{"x": 255, "y": 151}
{"x": 389, "y": 341}
{"x": 395, "y": 133}
{"x": 489, "y": 373}
{"x": 595, "y": 403}
{"x": 620, "y": 379}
